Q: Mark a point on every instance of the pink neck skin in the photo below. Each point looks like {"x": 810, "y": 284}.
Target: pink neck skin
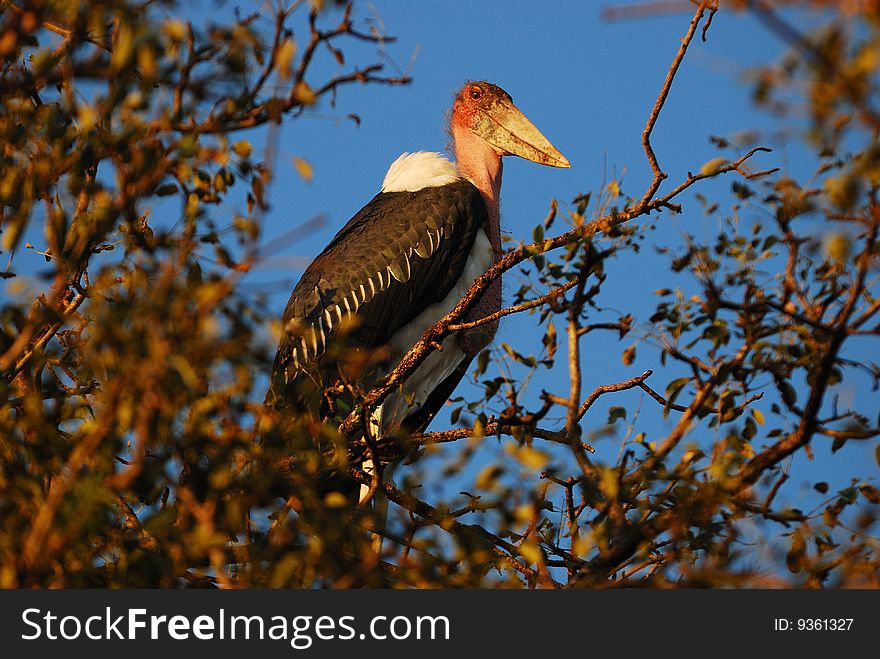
{"x": 480, "y": 163}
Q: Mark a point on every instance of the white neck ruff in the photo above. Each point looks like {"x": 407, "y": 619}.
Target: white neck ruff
{"x": 423, "y": 169}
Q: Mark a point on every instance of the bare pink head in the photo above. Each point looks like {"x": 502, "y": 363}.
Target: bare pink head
{"x": 487, "y": 111}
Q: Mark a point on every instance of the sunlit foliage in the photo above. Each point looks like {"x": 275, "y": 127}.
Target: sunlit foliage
{"x": 135, "y": 449}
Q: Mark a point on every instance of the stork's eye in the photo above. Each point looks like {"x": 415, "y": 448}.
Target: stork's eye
{"x": 476, "y": 92}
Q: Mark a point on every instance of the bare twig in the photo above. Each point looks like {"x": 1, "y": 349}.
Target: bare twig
{"x": 659, "y": 175}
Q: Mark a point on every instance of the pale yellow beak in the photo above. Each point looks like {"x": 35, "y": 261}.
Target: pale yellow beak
{"x": 507, "y": 129}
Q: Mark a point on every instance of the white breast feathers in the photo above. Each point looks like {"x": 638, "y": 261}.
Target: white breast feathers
{"x": 423, "y": 169}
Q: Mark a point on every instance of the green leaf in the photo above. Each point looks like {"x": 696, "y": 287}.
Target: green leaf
{"x": 741, "y": 190}
{"x": 789, "y": 396}
{"x": 616, "y": 413}
{"x": 166, "y": 190}
{"x": 454, "y": 415}
{"x": 673, "y": 389}
{"x": 482, "y": 362}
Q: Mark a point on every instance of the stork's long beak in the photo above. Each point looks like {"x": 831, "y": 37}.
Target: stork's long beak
{"x": 506, "y": 128}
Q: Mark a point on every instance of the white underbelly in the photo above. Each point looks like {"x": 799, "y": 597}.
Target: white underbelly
{"x": 440, "y": 363}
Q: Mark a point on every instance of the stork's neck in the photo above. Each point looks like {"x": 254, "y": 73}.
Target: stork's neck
{"x": 481, "y": 164}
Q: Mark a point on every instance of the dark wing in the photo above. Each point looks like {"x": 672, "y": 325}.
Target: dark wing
{"x": 401, "y": 253}
{"x": 419, "y": 420}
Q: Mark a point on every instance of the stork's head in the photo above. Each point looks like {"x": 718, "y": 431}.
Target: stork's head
{"x": 488, "y": 112}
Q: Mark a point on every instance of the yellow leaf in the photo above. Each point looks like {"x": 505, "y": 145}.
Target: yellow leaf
{"x": 176, "y": 29}
{"x": 133, "y": 100}
{"x": 532, "y": 458}
{"x": 87, "y": 117}
{"x": 147, "y": 62}
{"x": 614, "y": 189}
{"x": 123, "y": 47}
{"x": 335, "y": 500}
{"x": 842, "y": 190}
{"x": 759, "y": 416}
{"x": 531, "y": 552}
{"x": 487, "y": 477}
{"x": 19, "y": 287}
{"x": 220, "y": 181}
{"x": 192, "y": 205}
{"x": 242, "y": 148}
{"x": 713, "y": 166}
{"x": 7, "y": 572}
{"x": 11, "y": 234}
{"x": 8, "y": 40}
{"x": 284, "y": 57}
{"x": 868, "y": 60}
{"x": 184, "y": 369}
{"x": 583, "y": 545}
{"x": 609, "y": 483}
{"x": 303, "y": 168}
{"x": 220, "y": 479}
{"x": 275, "y": 330}
{"x": 209, "y": 327}
{"x": 303, "y": 94}
{"x": 837, "y": 247}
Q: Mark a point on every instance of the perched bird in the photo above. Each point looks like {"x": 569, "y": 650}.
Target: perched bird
{"x": 399, "y": 265}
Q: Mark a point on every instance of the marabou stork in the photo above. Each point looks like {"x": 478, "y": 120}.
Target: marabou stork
{"x": 400, "y": 264}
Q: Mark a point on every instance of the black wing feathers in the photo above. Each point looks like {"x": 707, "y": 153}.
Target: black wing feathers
{"x": 401, "y": 253}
